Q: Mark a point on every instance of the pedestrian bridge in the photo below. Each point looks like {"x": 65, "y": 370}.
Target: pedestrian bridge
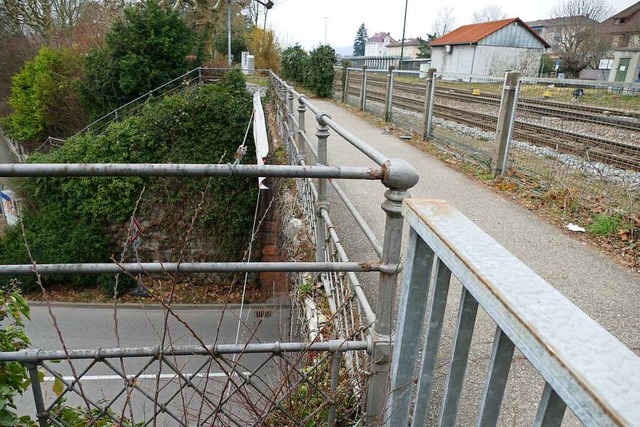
{"x": 373, "y": 363}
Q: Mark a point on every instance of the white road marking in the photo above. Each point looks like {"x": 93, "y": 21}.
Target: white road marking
{"x": 142, "y": 377}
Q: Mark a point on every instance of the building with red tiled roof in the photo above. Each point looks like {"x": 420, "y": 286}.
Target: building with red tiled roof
{"x": 377, "y": 44}
{"x": 489, "y": 48}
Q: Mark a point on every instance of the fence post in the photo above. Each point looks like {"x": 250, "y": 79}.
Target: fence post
{"x": 322, "y": 134}
{"x": 389, "y": 95}
{"x": 199, "y": 76}
{"x": 427, "y": 132}
{"x": 401, "y": 177}
{"x": 506, "y": 117}
{"x": 302, "y": 149}
{"x": 41, "y": 412}
{"x": 345, "y": 89}
{"x": 290, "y": 121}
{"x": 363, "y": 88}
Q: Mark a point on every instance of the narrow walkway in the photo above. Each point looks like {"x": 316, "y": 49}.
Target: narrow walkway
{"x": 607, "y": 292}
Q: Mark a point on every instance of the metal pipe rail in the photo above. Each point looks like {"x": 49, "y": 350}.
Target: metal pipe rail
{"x": 191, "y": 170}
{"x": 190, "y": 267}
{"x": 37, "y": 355}
{"x": 370, "y": 235}
{"x": 584, "y": 366}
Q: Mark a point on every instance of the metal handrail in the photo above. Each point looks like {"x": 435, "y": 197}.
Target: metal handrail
{"x": 584, "y": 366}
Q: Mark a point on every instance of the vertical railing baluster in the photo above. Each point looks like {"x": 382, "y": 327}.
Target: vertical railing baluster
{"x": 550, "y": 410}
{"x": 336, "y": 358}
{"x": 496, "y": 382}
{"x": 459, "y": 358}
{"x": 322, "y": 134}
{"x": 411, "y": 312}
{"x": 378, "y": 383}
{"x": 41, "y": 412}
{"x": 431, "y": 344}
{"x": 302, "y": 149}
{"x": 290, "y": 120}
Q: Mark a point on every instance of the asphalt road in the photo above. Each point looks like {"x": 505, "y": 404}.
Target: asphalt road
{"x": 591, "y": 280}
{"x": 93, "y": 326}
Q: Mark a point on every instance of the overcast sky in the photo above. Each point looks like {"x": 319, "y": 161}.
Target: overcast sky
{"x": 302, "y": 21}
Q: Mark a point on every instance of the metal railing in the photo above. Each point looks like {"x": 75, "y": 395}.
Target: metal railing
{"x": 353, "y": 318}
{"x": 583, "y": 366}
{"x": 391, "y": 370}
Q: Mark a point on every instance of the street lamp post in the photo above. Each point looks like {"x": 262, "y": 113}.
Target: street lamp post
{"x": 326, "y": 19}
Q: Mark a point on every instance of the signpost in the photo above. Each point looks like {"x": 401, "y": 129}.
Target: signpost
{"x": 135, "y": 238}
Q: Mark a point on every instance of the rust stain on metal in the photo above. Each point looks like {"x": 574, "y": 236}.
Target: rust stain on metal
{"x": 369, "y": 265}
{"x": 382, "y": 173}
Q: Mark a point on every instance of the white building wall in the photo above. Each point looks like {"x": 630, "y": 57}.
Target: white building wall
{"x": 495, "y": 61}
{"x": 409, "y": 51}
{"x": 486, "y": 60}
{"x": 459, "y": 61}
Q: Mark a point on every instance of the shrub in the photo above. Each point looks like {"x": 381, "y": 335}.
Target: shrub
{"x": 55, "y": 235}
{"x": 44, "y": 97}
{"x": 294, "y": 61}
{"x": 143, "y": 51}
{"x": 319, "y": 71}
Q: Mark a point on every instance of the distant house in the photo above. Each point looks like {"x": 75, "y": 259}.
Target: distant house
{"x": 624, "y": 27}
{"x": 489, "y": 48}
{"x": 411, "y": 48}
{"x": 377, "y": 45}
{"x": 553, "y": 30}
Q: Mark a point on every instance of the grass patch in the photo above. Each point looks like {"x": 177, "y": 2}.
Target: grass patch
{"x": 604, "y": 225}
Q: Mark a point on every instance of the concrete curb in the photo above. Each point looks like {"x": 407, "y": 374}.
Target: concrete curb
{"x": 155, "y": 306}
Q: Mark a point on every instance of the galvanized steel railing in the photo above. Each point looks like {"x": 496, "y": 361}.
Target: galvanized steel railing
{"x": 584, "y": 367}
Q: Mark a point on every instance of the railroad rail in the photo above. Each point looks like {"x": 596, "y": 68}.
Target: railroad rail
{"x": 580, "y": 113}
{"x": 615, "y": 153}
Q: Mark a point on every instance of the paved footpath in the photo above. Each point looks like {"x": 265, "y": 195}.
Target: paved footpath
{"x": 5, "y": 157}
{"x": 607, "y": 292}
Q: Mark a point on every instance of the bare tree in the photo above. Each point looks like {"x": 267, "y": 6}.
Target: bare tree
{"x": 444, "y": 21}
{"x": 48, "y": 19}
{"x": 575, "y": 36}
{"x": 488, "y": 13}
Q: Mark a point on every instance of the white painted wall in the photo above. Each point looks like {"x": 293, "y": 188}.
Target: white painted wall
{"x": 486, "y": 60}
{"x": 458, "y": 61}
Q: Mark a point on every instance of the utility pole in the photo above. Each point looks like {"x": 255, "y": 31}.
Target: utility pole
{"x": 404, "y": 27}
{"x": 229, "y": 33}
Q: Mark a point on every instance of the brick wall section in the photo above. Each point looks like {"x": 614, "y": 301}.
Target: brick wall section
{"x": 268, "y": 236}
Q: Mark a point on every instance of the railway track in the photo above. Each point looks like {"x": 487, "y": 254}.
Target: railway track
{"x": 625, "y": 156}
{"x": 580, "y": 113}
{"x": 619, "y": 154}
